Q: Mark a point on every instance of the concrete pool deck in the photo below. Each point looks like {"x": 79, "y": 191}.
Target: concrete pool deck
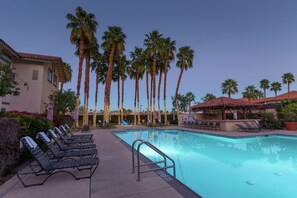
{"x": 113, "y": 176}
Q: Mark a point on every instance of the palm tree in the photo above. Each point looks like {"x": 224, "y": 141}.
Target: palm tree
{"x": 264, "y": 84}
{"x": 250, "y": 92}
{"x": 276, "y": 86}
{"x": 99, "y": 65}
{"x": 288, "y": 78}
{"x": 114, "y": 42}
{"x": 259, "y": 94}
{"x": 83, "y": 26}
{"x": 190, "y": 97}
{"x": 152, "y": 42}
{"x": 68, "y": 74}
{"x": 207, "y": 97}
{"x": 91, "y": 49}
{"x": 160, "y": 69}
{"x": 137, "y": 70}
{"x": 167, "y": 55}
{"x": 229, "y": 87}
{"x": 123, "y": 65}
{"x": 185, "y": 58}
{"x": 148, "y": 72}
{"x": 116, "y": 75}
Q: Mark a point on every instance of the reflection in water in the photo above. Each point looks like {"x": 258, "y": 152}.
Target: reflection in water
{"x": 204, "y": 161}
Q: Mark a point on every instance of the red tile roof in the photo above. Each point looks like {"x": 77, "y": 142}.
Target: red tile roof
{"x": 39, "y": 57}
{"x": 224, "y": 102}
{"x": 292, "y": 95}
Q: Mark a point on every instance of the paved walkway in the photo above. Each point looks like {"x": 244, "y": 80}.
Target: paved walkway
{"x": 113, "y": 177}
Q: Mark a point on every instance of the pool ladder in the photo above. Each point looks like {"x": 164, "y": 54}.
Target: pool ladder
{"x": 165, "y": 157}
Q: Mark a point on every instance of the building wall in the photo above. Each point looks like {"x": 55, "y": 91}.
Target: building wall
{"x": 33, "y": 92}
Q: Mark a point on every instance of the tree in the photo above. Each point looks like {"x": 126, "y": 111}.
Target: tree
{"x": 68, "y": 74}
{"x": 136, "y": 72}
{"x": 83, "y": 26}
{"x": 259, "y": 94}
{"x": 152, "y": 43}
{"x": 229, "y": 87}
{"x": 182, "y": 102}
{"x": 189, "y": 97}
{"x": 288, "y": 78}
{"x": 91, "y": 48}
{"x": 8, "y": 86}
{"x": 264, "y": 84}
{"x": 276, "y": 86}
{"x": 99, "y": 65}
{"x": 167, "y": 55}
{"x": 207, "y": 97}
{"x": 250, "y": 92}
{"x": 185, "y": 58}
{"x": 114, "y": 43}
{"x": 62, "y": 101}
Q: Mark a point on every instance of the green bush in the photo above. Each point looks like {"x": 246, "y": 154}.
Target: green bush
{"x": 288, "y": 112}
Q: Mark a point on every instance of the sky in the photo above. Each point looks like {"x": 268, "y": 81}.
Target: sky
{"x": 246, "y": 40}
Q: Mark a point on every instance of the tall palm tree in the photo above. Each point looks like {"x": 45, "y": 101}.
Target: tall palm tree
{"x": 68, "y": 74}
{"x": 160, "y": 69}
{"x": 229, "y": 87}
{"x": 207, "y": 97}
{"x": 250, "y": 92}
{"x": 137, "y": 70}
{"x": 152, "y": 43}
{"x": 185, "y": 58}
{"x": 288, "y": 78}
{"x": 99, "y": 65}
{"x": 167, "y": 55}
{"x": 123, "y": 65}
{"x": 91, "y": 48}
{"x": 264, "y": 84}
{"x": 83, "y": 26}
{"x": 114, "y": 42}
{"x": 276, "y": 86}
{"x": 148, "y": 71}
{"x": 116, "y": 76}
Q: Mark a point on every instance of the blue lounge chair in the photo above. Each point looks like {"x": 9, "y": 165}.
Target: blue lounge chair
{"x": 124, "y": 122}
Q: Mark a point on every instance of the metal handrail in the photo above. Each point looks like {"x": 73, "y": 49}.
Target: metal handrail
{"x": 165, "y": 157}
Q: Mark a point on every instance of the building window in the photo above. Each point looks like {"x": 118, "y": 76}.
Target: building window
{"x": 50, "y": 75}
{"x": 35, "y": 75}
{"x": 55, "y": 80}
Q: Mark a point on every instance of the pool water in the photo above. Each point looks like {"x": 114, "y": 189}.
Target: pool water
{"x": 215, "y": 166}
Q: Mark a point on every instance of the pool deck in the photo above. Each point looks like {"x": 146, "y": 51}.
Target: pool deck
{"x": 113, "y": 177}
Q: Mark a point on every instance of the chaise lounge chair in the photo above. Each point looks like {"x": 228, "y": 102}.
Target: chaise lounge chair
{"x": 71, "y": 140}
{"x": 49, "y": 167}
{"x": 65, "y": 147}
{"x": 59, "y": 154}
{"x": 244, "y": 128}
{"x": 66, "y": 130}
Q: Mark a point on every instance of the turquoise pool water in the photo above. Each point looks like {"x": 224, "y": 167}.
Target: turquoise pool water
{"x": 215, "y": 166}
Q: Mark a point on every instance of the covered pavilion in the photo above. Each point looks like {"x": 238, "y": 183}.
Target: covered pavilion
{"x": 223, "y": 104}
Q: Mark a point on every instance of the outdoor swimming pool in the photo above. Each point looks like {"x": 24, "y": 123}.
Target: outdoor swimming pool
{"x": 215, "y": 166}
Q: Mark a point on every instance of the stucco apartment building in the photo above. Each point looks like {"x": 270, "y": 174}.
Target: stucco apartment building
{"x": 37, "y": 76}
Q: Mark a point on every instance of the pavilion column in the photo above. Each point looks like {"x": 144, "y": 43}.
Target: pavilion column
{"x": 223, "y": 114}
{"x": 244, "y": 114}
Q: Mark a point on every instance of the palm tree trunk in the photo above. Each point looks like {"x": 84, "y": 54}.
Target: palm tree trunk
{"x": 151, "y": 99}
{"x": 288, "y": 90}
{"x": 177, "y": 88}
{"x": 135, "y": 96}
{"x": 165, "y": 81}
{"x": 154, "y": 85}
{"x": 159, "y": 93}
{"x": 119, "y": 107}
{"x": 122, "y": 105}
{"x": 80, "y": 64}
{"x": 138, "y": 120}
{"x": 108, "y": 85}
{"x": 86, "y": 91}
{"x": 61, "y": 87}
{"x": 147, "y": 95}
{"x": 96, "y": 99}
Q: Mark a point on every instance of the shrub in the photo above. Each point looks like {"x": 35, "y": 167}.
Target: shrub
{"x": 10, "y": 132}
